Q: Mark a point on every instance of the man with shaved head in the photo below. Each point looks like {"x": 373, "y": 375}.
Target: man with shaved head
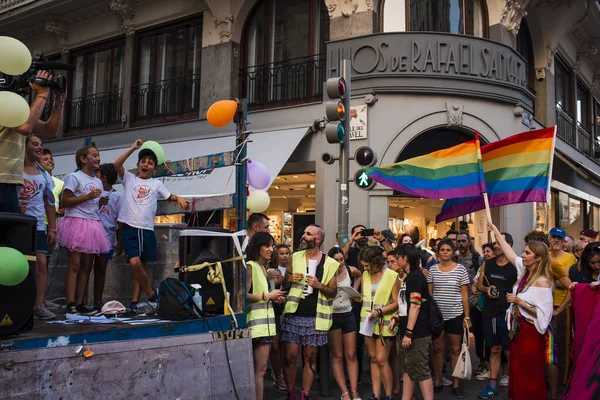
{"x": 308, "y": 313}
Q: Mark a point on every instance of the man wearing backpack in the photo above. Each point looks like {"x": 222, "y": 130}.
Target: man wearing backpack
{"x": 472, "y": 260}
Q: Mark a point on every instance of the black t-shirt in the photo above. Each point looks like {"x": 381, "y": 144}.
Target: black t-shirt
{"x": 415, "y": 281}
{"x": 504, "y": 278}
{"x": 352, "y": 257}
{"x": 307, "y": 307}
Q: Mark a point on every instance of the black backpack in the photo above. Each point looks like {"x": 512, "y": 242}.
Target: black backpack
{"x": 436, "y": 318}
{"x": 175, "y": 301}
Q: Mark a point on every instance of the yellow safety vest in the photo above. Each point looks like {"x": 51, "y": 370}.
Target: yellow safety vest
{"x": 260, "y": 318}
{"x": 383, "y": 297}
{"x": 324, "y": 304}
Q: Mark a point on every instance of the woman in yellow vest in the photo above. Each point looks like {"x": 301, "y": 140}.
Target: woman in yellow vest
{"x": 260, "y": 318}
{"x": 380, "y": 289}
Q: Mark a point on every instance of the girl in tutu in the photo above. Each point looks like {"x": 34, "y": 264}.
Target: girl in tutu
{"x": 36, "y": 199}
{"x": 80, "y": 231}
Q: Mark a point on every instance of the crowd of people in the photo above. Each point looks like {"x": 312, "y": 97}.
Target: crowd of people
{"x": 518, "y": 309}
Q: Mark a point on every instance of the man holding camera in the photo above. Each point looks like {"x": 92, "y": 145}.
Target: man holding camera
{"x": 12, "y": 140}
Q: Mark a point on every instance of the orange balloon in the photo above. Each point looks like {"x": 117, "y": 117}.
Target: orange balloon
{"x": 221, "y": 113}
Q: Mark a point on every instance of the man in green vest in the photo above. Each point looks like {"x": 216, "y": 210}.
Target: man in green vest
{"x": 308, "y": 308}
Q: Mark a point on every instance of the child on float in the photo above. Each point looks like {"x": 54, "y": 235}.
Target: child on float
{"x": 109, "y": 213}
{"x": 80, "y": 230}
{"x": 141, "y": 194}
{"x": 37, "y": 200}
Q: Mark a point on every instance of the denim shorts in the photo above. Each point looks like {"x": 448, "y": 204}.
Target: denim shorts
{"x": 495, "y": 331}
{"x": 344, "y": 321}
{"x": 40, "y": 242}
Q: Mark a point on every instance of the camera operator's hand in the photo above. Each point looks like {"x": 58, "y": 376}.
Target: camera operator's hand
{"x": 41, "y": 90}
{"x": 60, "y": 97}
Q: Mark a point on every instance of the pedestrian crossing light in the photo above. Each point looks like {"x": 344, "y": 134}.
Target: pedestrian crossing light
{"x": 362, "y": 180}
{"x": 336, "y": 110}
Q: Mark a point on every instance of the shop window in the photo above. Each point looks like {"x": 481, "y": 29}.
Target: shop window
{"x": 168, "y": 73}
{"x": 96, "y": 89}
{"x": 284, "y": 53}
{"x": 462, "y": 17}
{"x": 571, "y": 214}
{"x": 583, "y": 119}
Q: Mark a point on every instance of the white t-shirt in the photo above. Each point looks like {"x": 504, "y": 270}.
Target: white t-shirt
{"x": 80, "y": 184}
{"x": 140, "y": 201}
{"x": 109, "y": 214}
{"x": 32, "y": 196}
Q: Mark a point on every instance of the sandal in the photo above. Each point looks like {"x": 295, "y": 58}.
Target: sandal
{"x": 356, "y": 398}
{"x": 344, "y": 394}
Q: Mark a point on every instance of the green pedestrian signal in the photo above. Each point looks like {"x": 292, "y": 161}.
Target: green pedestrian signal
{"x": 362, "y": 180}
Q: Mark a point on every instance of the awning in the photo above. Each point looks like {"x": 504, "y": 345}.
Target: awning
{"x": 272, "y": 148}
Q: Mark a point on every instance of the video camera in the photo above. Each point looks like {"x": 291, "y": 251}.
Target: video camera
{"x": 20, "y": 83}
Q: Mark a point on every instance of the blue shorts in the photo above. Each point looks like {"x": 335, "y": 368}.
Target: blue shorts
{"x": 495, "y": 331}
{"x": 138, "y": 243}
{"x": 110, "y": 254}
{"x": 40, "y": 243}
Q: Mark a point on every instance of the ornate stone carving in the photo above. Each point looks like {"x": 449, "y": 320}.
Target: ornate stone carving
{"x": 347, "y": 7}
{"x": 551, "y": 52}
{"x": 369, "y": 4}
{"x": 581, "y": 22}
{"x": 56, "y": 29}
{"x": 455, "y": 114}
{"x": 588, "y": 53}
{"x": 224, "y": 27}
{"x": 125, "y": 10}
{"x": 513, "y": 13}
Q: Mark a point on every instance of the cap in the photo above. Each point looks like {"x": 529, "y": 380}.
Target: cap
{"x": 558, "y": 232}
{"x": 147, "y": 152}
{"x": 112, "y": 307}
{"x": 589, "y": 233}
{"x": 388, "y": 234}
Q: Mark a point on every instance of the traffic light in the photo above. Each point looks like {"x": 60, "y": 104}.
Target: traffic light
{"x": 365, "y": 156}
{"x": 337, "y": 110}
{"x": 362, "y": 180}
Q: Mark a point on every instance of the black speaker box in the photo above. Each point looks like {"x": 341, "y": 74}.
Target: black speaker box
{"x": 17, "y": 302}
{"x": 197, "y": 249}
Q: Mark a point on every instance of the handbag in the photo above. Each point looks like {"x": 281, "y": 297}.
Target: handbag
{"x": 463, "y": 368}
{"x": 515, "y": 324}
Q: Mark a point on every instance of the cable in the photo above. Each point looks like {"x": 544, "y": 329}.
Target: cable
{"x": 228, "y": 360}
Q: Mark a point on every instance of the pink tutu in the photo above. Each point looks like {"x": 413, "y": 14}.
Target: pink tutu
{"x": 82, "y": 235}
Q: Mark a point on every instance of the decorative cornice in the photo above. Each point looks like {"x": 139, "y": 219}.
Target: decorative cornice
{"x": 125, "y": 10}
{"x": 224, "y": 28}
{"x": 550, "y": 53}
{"x": 369, "y": 4}
{"x": 581, "y": 22}
{"x": 513, "y": 13}
{"x": 57, "y": 29}
{"x": 347, "y": 7}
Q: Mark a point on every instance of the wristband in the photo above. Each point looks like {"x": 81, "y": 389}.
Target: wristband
{"x": 59, "y": 106}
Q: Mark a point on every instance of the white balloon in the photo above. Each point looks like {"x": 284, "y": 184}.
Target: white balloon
{"x": 258, "y": 201}
{"x": 14, "y": 110}
{"x": 16, "y": 57}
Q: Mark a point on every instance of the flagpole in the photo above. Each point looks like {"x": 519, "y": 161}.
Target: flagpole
{"x": 482, "y": 183}
{"x": 488, "y": 214}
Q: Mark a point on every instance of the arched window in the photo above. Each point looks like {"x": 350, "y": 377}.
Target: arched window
{"x": 284, "y": 52}
{"x": 525, "y": 49}
{"x": 463, "y": 17}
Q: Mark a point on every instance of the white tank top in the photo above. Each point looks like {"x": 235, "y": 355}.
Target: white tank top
{"x": 342, "y": 303}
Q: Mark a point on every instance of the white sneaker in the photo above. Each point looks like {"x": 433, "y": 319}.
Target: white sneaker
{"x": 503, "y": 381}
{"x": 42, "y": 312}
{"x": 484, "y": 376}
{"x": 446, "y": 381}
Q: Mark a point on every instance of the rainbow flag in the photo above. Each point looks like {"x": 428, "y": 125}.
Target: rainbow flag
{"x": 449, "y": 173}
{"x": 516, "y": 170}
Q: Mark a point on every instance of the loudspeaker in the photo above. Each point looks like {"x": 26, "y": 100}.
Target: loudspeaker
{"x": 198, "y": 249}
{"x": 17, "y": 302}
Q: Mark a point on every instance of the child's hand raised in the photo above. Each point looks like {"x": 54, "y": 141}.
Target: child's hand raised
{"x": 137, "y": 144}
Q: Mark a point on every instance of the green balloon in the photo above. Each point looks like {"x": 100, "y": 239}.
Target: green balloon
{"x": 156, "y": 148}
{"x": 14, "y": 267}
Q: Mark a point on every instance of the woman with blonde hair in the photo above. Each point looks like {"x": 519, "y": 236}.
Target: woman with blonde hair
{"x": 528, "y": 318}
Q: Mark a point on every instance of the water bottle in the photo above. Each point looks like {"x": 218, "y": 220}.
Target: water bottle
{"x": 197, "y": 297}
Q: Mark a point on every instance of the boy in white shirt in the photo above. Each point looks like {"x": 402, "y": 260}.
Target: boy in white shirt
{"x": 109, "y": 213}
{"x": 137, "y": 215}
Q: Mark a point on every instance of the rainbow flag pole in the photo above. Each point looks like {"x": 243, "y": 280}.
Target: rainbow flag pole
{"x": 486, "y": 201}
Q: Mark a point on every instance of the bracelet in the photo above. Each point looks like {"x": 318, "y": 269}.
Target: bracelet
{"x": 59, "y": 106}
{"x": 380, "y": 312}
{"x": 467, "y": 318}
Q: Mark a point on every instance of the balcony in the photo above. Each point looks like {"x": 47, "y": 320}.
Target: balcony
{"x": 564, "y": 125}
{"x": 167, "y": 100}
{"x": 283, "y": 83}
{"x": 93, "y": 112}
{"x": 583, "y": 139}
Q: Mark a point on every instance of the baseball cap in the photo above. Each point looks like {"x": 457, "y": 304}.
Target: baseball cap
{"x": 556, "y": 231}
{"x": 147, "y": 152}
{"x": 589, "y": 233}
{"x": 112, "y": 307}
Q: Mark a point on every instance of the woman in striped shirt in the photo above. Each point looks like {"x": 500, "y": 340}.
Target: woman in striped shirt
{"x": 448, "y": 284}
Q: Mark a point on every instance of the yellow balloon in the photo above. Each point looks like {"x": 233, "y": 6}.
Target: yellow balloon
{"x": 16, "y": 57}
{"x": 14, "y": 110}
{"x": 221, "y": 113}
{"x": 258, "y": 201}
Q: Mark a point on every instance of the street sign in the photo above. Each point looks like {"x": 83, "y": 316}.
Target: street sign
{"x": 362, "y": 180}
